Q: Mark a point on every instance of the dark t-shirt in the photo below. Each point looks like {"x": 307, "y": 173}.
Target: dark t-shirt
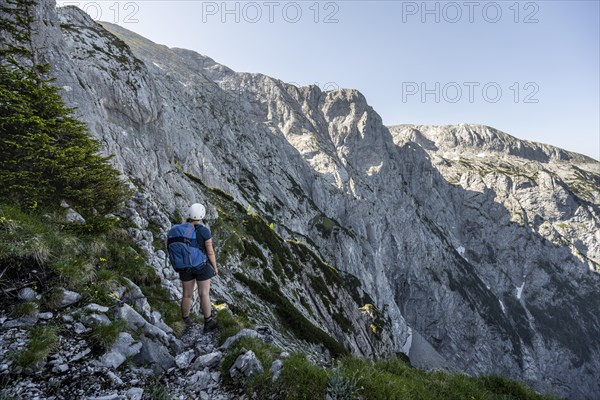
{"x": 202, "y": 235}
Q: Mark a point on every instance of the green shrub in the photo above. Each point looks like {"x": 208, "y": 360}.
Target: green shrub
{"x": 42, "y": 339}
{"x": 26, "y": 237}
{"x": 47, "y": 154}
{"x": 104, "y": 336}
{"x": 24, "y": 309}
{"x": 158, "y": 391}
{"x": 94, "y": 224}
{"x": 506, "y": 388}
{"x": 100, "y": 290}
{"x": 301, "y": 379}
{"x": 342, "y": 387}
{"x": 53, "y": 298}
{"x": 73, "y": 272}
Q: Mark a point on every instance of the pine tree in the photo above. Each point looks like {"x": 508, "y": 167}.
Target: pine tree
{"x": 47, "y": 154}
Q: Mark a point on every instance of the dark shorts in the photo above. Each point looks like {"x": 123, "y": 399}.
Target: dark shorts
{"x": 201, "y": 274}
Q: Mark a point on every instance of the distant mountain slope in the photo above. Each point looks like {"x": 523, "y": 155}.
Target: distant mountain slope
{"x": 553, "y": 191}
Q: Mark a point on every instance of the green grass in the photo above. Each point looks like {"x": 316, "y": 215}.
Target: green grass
{"x": 26, "y": 238}
{"x": 324, "y": 225}
{"x": 42, "y": 340}
{"x": 291, "y": 318}
{"x": 502, "y": 386}
{"x": 230, "y": 324}
{"x": 92, "y": 264}
{"x": 301, "y": 379}
{"x": 104, "y": 336}
{"x": 394, "y": 379}
{"x": 24, "y": 309}
{"x": 158, "y": 391}
{"x": 53, "y": 298}
{"x": 356, "y": 378}
{"x": 342, "y": 387}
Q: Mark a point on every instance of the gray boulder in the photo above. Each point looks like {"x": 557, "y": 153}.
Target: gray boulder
{"x": 74, "y": 217}
{"x": 124, "y": 347}
{"x": 79, "y": 328}
{"x": 276, "y": 369}
{"x": 69, "y": 297}
{"x": 96, "y": 319}
{"x": 134, "y": 296}
{"x": 245, "y": 366}
{"x": 46, "y": 315}
{"x": 96, "y": 308}
{"x": 27, "y": 320}
{"x": 131, "y": 317}
{"x": 135, "y": 322}
{"x": 183, "y": 360}
{"x": 135, "y": 393}
{"x": 156, "y": 319}
{"x": 27, "y": 294}
{"x": 200, "y": 380}
{"x": 209, "y": 360}
{"x": 249, "y": 333}
{"x": 156, "y": 355}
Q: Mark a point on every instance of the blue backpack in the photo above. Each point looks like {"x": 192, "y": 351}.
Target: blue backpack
{"x": 184, "y": 250}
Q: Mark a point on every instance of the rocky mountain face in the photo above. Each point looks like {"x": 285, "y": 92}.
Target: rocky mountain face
{"x": 478, "y": 251}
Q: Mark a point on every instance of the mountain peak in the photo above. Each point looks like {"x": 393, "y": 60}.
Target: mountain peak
{"x": 474, "y": 138}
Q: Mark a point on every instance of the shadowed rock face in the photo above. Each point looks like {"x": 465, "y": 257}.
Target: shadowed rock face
{"x": 480, "y": 249}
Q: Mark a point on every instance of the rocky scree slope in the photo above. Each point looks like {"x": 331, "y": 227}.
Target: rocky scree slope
{"x": 464, "y": 284}
{"x": 132, "y": 368}
{"x": 550, "y": 190}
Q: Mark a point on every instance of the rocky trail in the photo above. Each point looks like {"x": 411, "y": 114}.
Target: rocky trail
{"x": 129, "y": 369}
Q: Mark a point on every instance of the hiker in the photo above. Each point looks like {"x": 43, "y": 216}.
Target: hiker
{"x": 193, "y": 257}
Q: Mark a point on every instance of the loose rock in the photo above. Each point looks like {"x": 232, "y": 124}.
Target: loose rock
{"x": 27, "y": 294}
{"x": 246, "y": 365}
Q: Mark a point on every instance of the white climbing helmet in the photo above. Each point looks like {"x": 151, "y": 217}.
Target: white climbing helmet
{"x": 196, "y": 212}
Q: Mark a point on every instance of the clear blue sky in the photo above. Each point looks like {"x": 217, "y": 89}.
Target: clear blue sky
{"x": 438, "y": 62}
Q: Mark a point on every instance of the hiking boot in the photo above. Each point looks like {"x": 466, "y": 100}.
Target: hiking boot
{"x": 210, "y": 324}
{"x": 189, "y": 324}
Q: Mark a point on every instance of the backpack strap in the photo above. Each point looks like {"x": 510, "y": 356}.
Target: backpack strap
{"x": 192, "y": 227}
{"x": 185, "y": 239}
{"x": 200, "y": 237}
{"x": 182, "y": 239}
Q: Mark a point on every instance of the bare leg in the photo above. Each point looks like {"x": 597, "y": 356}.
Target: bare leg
{"x": 188, "y": 295}
{"x": 204, "y": 291}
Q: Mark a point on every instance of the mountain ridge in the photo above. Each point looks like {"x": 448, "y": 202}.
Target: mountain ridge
{"x": 495, "y": 140}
